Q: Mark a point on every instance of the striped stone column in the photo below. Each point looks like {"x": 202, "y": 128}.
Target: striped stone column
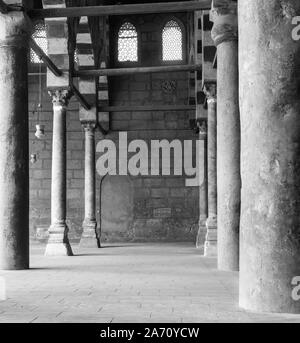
{"x": 103, "y": 94}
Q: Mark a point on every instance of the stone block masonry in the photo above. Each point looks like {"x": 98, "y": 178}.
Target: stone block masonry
{"x": 138, "y": 208}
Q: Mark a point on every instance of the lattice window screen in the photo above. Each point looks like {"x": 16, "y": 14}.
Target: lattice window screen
{"x": 40, "y": 37}
{"x": 127, "y": 43}
{"x": 172, "y": 42}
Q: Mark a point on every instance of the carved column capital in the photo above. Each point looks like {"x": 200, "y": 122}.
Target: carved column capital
{"x": 202, "y": 126}
{"x": 225, "y": 21}
{"x": 60, "y": 97}
{"x": 210, "y": 90}
{"x": 89, "y": 126}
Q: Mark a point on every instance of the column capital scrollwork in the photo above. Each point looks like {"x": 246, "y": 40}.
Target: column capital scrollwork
{"x": 225, "y": 21}
{"x": 202, "y": 127}
{"x": 88, "y": 126}
{"x": 210, "y": 90}
{"x": 60, "y": 97}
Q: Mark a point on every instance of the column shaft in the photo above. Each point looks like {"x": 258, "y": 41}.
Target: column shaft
{"x": 14, "y": 155}
{"x": 58, "y": 243}
{"x": 203, "y": 192}
{"x": 210, "y": 248}
{"x": 224, "y": 34}
{"x": 89, "y": 236}
{"x": 270, "y": 155}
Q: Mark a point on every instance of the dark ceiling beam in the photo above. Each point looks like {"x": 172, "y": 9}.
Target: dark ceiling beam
{"x": 147, "y": 108}
{"x": 137, "y": 70}
{"x": 42, "y": 56}
{"x": 80, "y": 98}
{"x": 3, "y": 7}
{"x": 145, "y": 8}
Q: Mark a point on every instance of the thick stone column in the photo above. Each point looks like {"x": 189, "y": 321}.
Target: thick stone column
{"x": 90, "y": 237}
{"x": 224, "y": 34}
{"x": 14, "y": 155}
{"x": 270, "y": 155}
{"x": 58, "y": 243}
{"x": 210, "y": 246}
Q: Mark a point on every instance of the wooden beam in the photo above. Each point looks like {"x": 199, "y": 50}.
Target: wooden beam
{"x": 169, "y": 7}
{"x": 80, "y": 98}
{"x": 45, "y": 58}
{"x": 3, "y": 7}
{"x": 215, "y": 61}
{"x": 147, "y": 108}
{"x": 137, "y": 70}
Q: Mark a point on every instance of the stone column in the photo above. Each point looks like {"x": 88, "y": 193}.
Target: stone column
{"x": 90, "y": 237}
{"x": 224, "y": 34}
{"x": 270, "y": 155}
{"x": 58, "y": 243}
{"x": 203, "y": 188}
{"x": 14, "y": 155}
{"x": 210, "y": 247}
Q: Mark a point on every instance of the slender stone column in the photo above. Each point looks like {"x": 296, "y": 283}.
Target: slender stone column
{"x": 270, "y": 155}
{"x": 89, "y": 237}
{"x": 210, "y": 247}
{"x": 58, "y": 243}
{"x": 203, "y": 190}
{"x": 225, "y": 36}
{"x": 14, "y": 155}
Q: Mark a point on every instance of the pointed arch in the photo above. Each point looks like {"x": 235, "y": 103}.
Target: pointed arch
{"x": 127, "y": 43}
{"x": 172, "y": 41}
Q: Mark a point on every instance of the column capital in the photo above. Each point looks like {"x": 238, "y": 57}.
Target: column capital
{"x": 210, "y": 90}
{"x": 224, "y": 17}
{"x": 202, "y": 126}
{"x": 60, "y": 97}
{"x": 89, "y": 126}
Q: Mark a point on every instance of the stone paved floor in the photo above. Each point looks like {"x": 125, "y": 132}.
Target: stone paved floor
{"x": 126, "y": 283}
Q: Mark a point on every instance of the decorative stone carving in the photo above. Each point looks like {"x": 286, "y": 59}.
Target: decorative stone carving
{"x": 210, "y": 90}
{"x": 60, "y": 97}
{"x": 169, "y": 86}
{"x": 202, "y": 127}
{"x": 225, "y": 23}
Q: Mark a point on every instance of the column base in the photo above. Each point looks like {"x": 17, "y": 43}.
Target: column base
{"x": 200, "y": 240}
{"x": 210, "y": 245}
{"x": 58, "y": 249}
{"x": 89, "y": 238}
{"x": 58, "y": 243}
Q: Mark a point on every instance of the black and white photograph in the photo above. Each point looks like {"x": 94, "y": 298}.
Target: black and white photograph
{"x": 149, "y": 166}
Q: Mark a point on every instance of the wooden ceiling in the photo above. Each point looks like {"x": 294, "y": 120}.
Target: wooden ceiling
{"x": 38, "y": 3}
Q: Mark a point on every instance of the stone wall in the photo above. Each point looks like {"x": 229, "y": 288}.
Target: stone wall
{"x": 132, "y": 208}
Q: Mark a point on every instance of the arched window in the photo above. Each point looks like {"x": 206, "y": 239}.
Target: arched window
{"x": 127, "y": 43}
{"x": 40, "y": 37}
{"x": 172, "y": 42}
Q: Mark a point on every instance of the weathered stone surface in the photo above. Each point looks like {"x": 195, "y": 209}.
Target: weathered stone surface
{"x": 224, "y": 34}
{"x": 89, "y": 236}
{"x": 14, "y": 173}
{"x": 270, "y": 169}
{"x": 58, "y": 243}
{"x": 210, "y": 247}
